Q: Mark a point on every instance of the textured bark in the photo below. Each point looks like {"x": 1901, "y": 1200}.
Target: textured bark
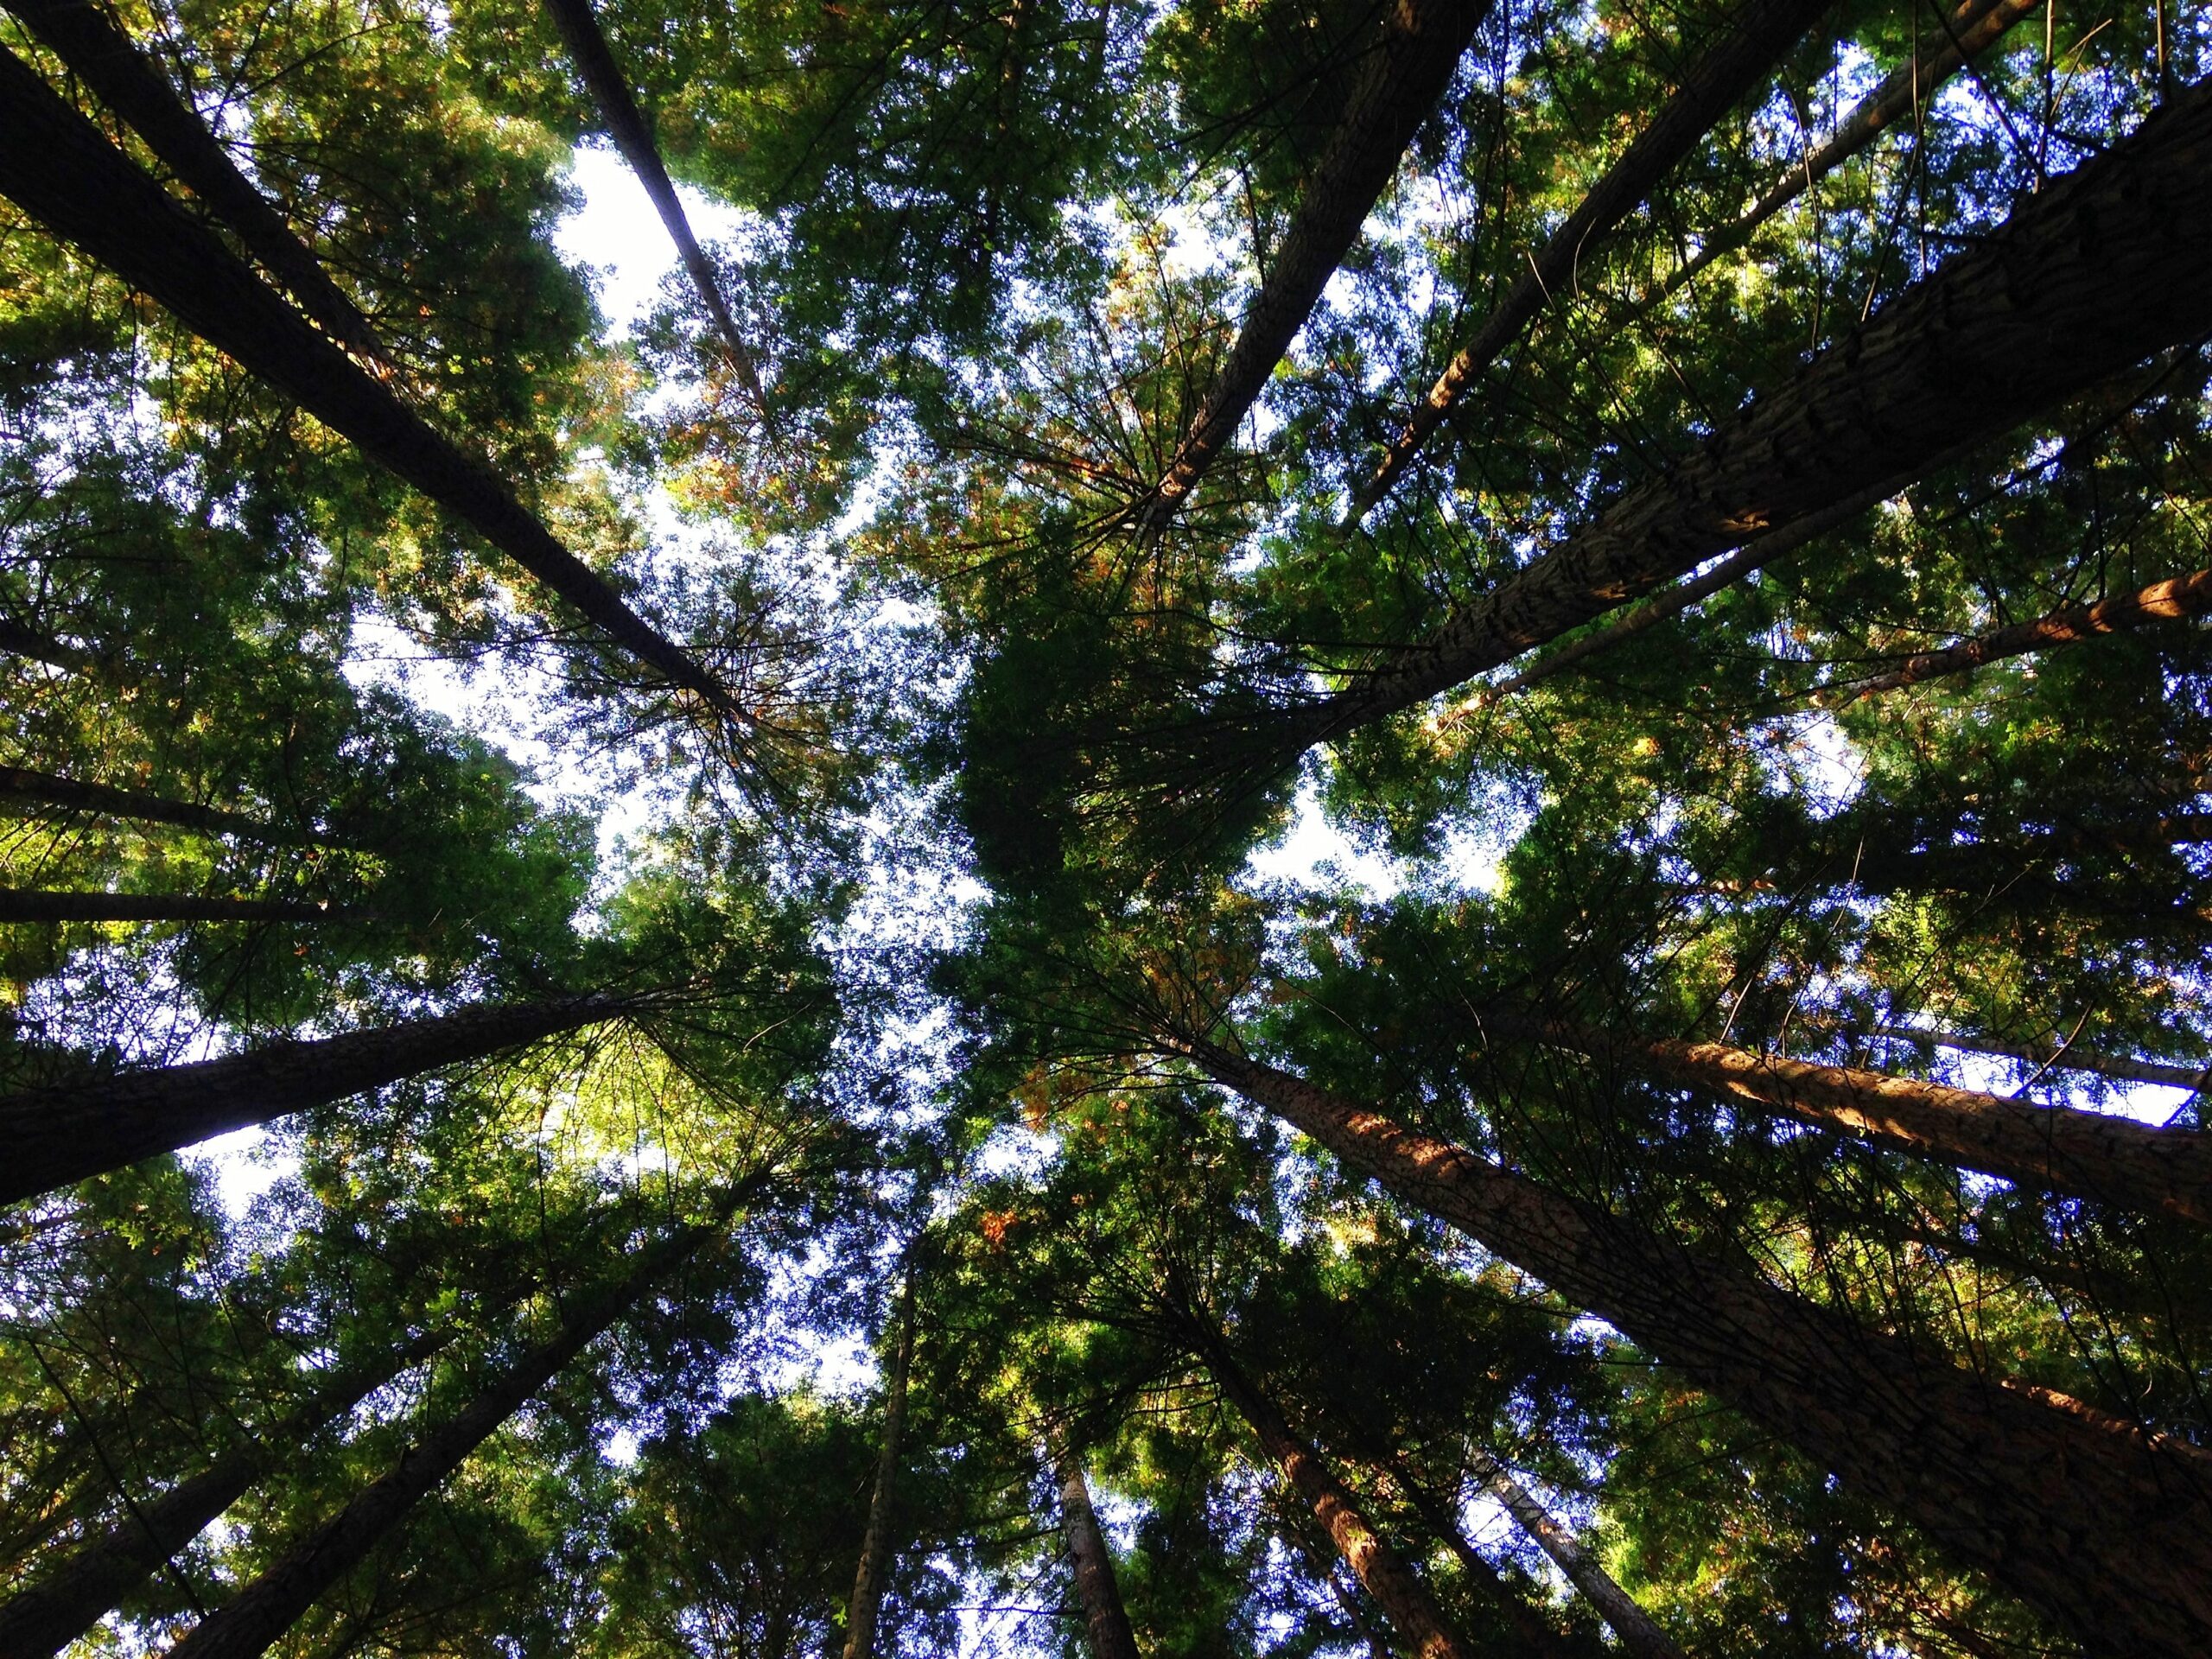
{"x": 1404, "y": 1599}
{"x": 1758, "y": 35}
{"x": 2058, "y": 1057}
{"x": 2022, "y": 319}
{"x": 67, "y": 1598}
{"x": 876, "y": 1544}
{"x": 244, "y": 1626}
{"x": 633, "y": 136}
{"x": 37, "y": 905}
{"x": 1422, "y": 42}
{"x": 2181, "y": 596}
{"x": 1967, "y": 31}
{"x": 2105, "y": 1527}
{"x": 21, "y": 787}
{"x": 1634, "y": 1628}
{"x": 102, "y": 56}
{"x": 2058, "y": 1149}
{"x": 1095, "y": 1582}
{"x": 64, "y": 1134}
{"x": 56, "y": 166}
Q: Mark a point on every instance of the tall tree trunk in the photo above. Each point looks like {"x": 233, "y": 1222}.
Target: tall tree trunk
{"x": 21, "y": 787}
{"x": 244, "y": 1626}
{"x": 106, "y": 59}
{"x": 64, "y": 1599}
{"x": 36, "y": 904}
{"x": 2060, "y": 1057}
{"x": 1411, "y": 67}
{"x": 55, "y": 165}
{"x": 633, "y": 136}
{"x": 2105, "y": 1527}
{"x": 1404, "y": 1599}
{"x": 1101, "y": 1594}
{"x": 65, "y": 1133}
{"x": 1537, "y": 1636}
{"x": 1757, "y": 36}
{"x": 875, "y": 1543}
{"x": 1635, "y": 1627}
{"x": 2058, "y": 1149}
{"x": 17, "y": 640}
{"x": 2022, "y": 319}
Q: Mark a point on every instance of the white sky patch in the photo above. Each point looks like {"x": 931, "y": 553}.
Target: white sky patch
{"x": 244, "y": 1167}
{"x": 1316, "y": 857}
{"x": 619, "y": 238}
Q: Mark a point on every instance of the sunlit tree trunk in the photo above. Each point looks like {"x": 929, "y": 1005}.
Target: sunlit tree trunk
{"x": 20, "y": 786}
{"x": 1096, "y": 1585}
{"x": 876, "y": 1544}
{"x": 2104, "y": 1525}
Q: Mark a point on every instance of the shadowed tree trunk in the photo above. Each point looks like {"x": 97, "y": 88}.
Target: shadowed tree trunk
{"x": 2057, "y": 1056}
{"x": 1100, "y": 1592}
{"x": 108, "y": 62}
{"x": 876, "y": 1544}
{"x": 1536, "y": 1635}
{"x": 19, "y": 786}
{"x": 2105, "y": 1527}
{"x": 1757, "y": 36}
{"x": 244, "y": 1626}
{"x": 18, "y": 640}
{"x": 65, "y": 1598}
{"x": 1422, "y": 42}
{"x": 56, "y": 166}
{"x": 35, "y": 904}
{"x": 68, "y": 1132}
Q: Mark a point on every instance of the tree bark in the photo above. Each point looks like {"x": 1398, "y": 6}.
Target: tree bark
{"x": 18, "y": 640}
{"x": 244, "y": 1626}
{"x": 1635, "y": 1627}
{"x": 1404, "y": 1599}
{"x": 2058, "y": 1057}
{"x": 37, "y": 905}
{"x": 71, "y": 1131}
{"x": 875, "y": 1543}
{"x": 21, "y": 787}
{"x": 64, "y": 1601}
{"x": 56, "y": 166}
{"x": 2022, "y": 319}
{"x": 1535, "y": 1636}
{"x": 1757, "y": 36}
{"x": 1100, "y": 1592}
{"x": 109, "y": 62}
{"x": 633, "y": 136}
{"x": 1422, "y": 44}
{"x": 2105, "y": 1527}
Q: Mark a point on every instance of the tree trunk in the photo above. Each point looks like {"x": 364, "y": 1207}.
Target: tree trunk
{"x": 36, "y": 904}
{"x": 1634, "y": 1628}
{"x": 2024, "y": 318}
{"x": 1404, "y": 1599}
{"x": 2057, "y": 1148}
{"x": 56, "y": 166}
{"x": 1535, "y": 1634}
{"x": 2105, "y": 1527}
{"x": 875, "y": 1543}
{"x": 1410, "y": 67}
{"x": 71, "y": 1131}
{"x": 1756, "y": 37}
{"x": 1103, "y": 1613}
{"x": 633, "y": 136}
{"x": 61, "y": 1602}
{"x": 23, "y": 787}
{"x": 2058, "y": 1057}
{"x": 20, "y": 641}
{"x": 106, "y": 59}
{"x": 244, "y": 1626}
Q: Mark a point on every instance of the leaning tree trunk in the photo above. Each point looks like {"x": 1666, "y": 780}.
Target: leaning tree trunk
{"x": 70, "y": 1131}
{"x": 1754, "y": 38}
{"x": 244, "y": 1626}
{"x": 2104, "y": 1525}
{"x": 1422, "y": 44}
{"x": 875, "y": 1543}
{"x": 20, "y": 786}
{"x": 1537, "y": 1636}
{"x": 1404, "y": 1599}
{"x": 56, "y": 166}
{"x": 2058, "y": 1057}
{"x": 65, "y": 1598}
{"x": 17, "y": 640}
{"x": 1095, "y": 1582}
{"x": 41, "y": 905}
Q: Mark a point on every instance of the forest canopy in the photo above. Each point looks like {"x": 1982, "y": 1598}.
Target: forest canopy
{"x": 1285, "y": 827}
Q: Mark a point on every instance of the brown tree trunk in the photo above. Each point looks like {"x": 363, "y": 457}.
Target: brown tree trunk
{"x": 37, "y": 905}
{"x": 107, "y": 61}
{"x": 56, "y": 166}
{"x": 22, "y": 787}
{"x": 65, "y": 1598}
{"x": 244, "y": 1626}
{"x": 2058, "y": 1057}
{"x": 876, "y": 1544}
{"x": 68, "y": 1132}
{"x": 633, "y": 136}
{"x": 1537, "y": 1636}
{"x": 1404, "y": 1599}
{"x": 1756, "y": 37}
{"x": 1422, "y": 44}
{"x": 2022, "y": 318}
{"x": 2105, "y": 1527}
{"x": 1101, "y": 1594}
